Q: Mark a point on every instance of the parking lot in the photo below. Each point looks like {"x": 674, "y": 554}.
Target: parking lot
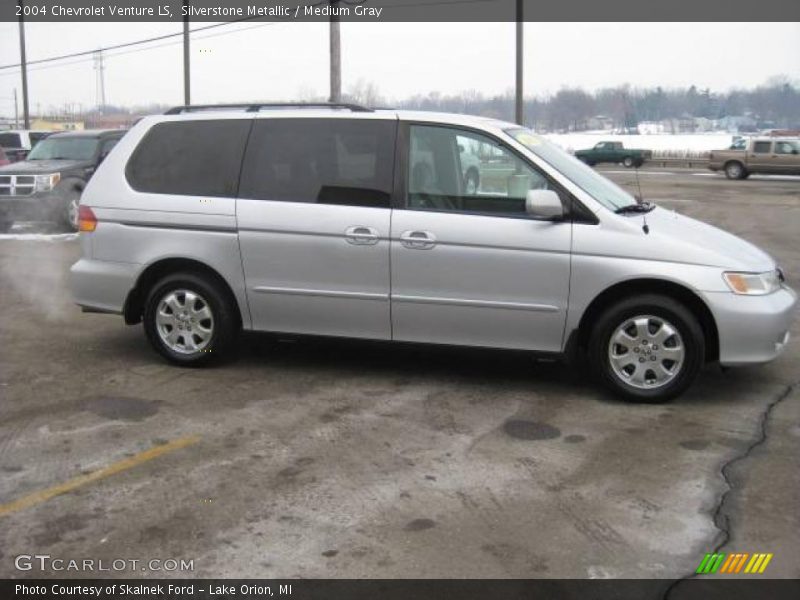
{"x": 324, "y": 458}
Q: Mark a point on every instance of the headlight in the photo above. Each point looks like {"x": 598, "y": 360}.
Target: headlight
{"x": 753, "y": 284}
{"x": 45, "y": 183}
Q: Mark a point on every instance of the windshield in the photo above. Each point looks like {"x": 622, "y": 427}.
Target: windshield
{"x": 70, "y": 148}
{"x": 598, "y": 187}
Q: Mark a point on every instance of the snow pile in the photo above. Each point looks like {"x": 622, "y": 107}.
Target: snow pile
{"x": 39, "y": 237}
{"x": 678, "y": 145}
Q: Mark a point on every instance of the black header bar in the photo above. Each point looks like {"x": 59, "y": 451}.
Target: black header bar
{"x": 373, "y": 11}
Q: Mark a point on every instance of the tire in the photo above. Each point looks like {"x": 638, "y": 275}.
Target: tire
{"x": 69, "y": 215}
{"x": 471, "y": 182}
{"x": 628, "y": 162}
{"x": 654, "y": 367}
{"x": 211, "y": 337}
{"x": 735, "y": 170}
{"x": 6, "y": 225}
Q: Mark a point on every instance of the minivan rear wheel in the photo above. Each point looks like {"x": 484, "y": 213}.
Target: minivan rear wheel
{"x": 647, "y": 348}
{"x": 189, "y": 319}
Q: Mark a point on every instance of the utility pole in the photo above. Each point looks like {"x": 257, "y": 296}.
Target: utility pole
{"x": 100, "y": 80}
{"x": 16, "y": 110}
{"x": 26, "y": 116}
{"x": 520, "y": 114}
{"x": 336, "y": 55}
{"x": 187, "y": 84}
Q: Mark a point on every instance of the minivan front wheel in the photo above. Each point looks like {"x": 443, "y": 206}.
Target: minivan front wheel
{"x": 648, "y": 348}
{"x": 189, "y": 320}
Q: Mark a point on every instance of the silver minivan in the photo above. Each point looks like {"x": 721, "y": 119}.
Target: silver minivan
{"x": 338, "y": 220}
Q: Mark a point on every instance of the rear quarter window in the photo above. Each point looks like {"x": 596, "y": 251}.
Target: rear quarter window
{"x": 190, "y": 158}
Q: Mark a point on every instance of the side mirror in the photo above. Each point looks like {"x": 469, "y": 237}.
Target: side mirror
{"x": 544, "y": 204}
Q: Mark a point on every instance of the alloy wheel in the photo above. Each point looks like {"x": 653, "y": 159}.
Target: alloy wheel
{"x": 184, "y": 321}
{"x": 646, "y": 352}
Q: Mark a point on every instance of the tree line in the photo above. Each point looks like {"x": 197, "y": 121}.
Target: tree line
{"x": 775, "y": 104}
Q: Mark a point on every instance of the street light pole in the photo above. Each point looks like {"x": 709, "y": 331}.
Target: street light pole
{"x": 187, "y": 89}
{"x": 336, "y": 56}
{"x": 24, "y": 65}
{"x": 519, "y": 111}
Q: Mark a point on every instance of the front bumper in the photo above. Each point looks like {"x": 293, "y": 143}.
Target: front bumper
{"x": 752, "y": 329}
{"x": 44, "y": 206}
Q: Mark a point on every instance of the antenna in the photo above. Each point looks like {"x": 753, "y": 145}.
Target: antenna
{"x": 100, "y": 81}
{"x": 645, "y": 226}
{"x": 638, "y": 184}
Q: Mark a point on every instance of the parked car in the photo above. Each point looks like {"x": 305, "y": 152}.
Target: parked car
{"x": 344, "y": 221}
{"x": 757, "y": 155}
{"x": 17, "y": 143}
{"x": 47, "y": 186}
{"x": 613, "y": 152}
{"x": 3, "y": 158}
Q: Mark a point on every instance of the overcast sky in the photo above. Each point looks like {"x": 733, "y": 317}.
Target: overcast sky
{"x": 290, "y": 60}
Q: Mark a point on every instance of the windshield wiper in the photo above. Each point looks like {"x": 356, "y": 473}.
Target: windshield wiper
{"x": 643, "y": 207}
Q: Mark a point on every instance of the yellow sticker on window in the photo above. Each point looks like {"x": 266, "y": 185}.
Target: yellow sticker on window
{"x": 528, "y": 139}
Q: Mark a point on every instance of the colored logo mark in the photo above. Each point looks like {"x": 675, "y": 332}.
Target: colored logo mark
{"x": 739, "y": 562}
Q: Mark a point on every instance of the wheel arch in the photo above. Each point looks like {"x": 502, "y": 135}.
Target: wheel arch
{"x": 134, "y": 303}
{"x": 676, "y": 291}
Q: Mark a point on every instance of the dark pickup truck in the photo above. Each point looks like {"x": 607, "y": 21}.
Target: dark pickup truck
{"x": 47, "y": 185}
{"x": 613, "y": 152}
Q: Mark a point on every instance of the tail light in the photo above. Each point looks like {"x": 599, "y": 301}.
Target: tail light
{"x": 87, "y": 221}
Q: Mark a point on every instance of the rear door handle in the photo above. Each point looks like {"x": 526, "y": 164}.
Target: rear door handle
{"x": 418, "y": 240}
{"x": 361, "y": 235}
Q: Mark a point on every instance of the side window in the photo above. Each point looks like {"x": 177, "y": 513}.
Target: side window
{"x": 785, "y": 148}
{"x": 10, "y": 140}
{"x": 347, "y": 162}
{"x": 455, "y": 170}
{"x": 190, "y": 158}
{"x": 761, "y": 147}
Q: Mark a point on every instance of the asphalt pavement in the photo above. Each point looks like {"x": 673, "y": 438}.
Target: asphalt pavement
{"x": 310, "y": 458}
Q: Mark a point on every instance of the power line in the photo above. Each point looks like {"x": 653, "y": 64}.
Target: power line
{"x": 118, "y": 46}
{"x": 137, "y": 50}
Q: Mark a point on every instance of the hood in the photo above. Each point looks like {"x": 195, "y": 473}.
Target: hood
{"x": 40, "y": 167}
{"x": 700, "y": 243}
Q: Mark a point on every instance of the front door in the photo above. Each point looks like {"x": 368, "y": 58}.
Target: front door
{"x": 313, "y": 215}
{"x": 475, "y": 269}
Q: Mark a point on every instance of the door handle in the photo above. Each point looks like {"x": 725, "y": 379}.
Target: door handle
{"x": 418, "y": 240}
{"x": 360, "y": 235}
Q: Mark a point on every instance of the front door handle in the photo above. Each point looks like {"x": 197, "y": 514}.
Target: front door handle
{"x": 361, "y": 235}
{"x": 418, "y": 240}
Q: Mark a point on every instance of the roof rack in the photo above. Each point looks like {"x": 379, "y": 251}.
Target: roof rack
{"x": 257, "y": 106}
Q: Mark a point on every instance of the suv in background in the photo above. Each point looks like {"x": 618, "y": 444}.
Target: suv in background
{"x": 17, "y": 143}
{"x": 342, "y": 221}
{"x": 48, "y": 184}
{"x": 777, "y": 156}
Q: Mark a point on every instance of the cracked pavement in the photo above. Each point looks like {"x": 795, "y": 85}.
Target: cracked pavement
{"x": 349, "y": 459}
